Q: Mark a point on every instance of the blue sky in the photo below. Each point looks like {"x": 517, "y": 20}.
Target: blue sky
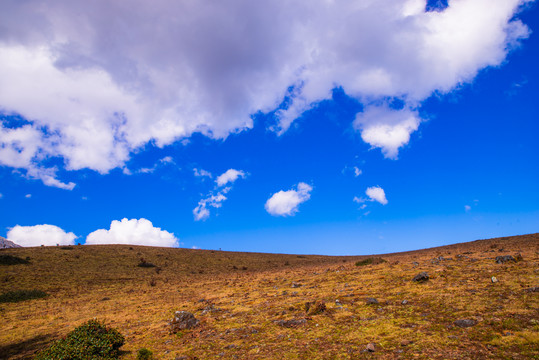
{"x": 440, "y": 125}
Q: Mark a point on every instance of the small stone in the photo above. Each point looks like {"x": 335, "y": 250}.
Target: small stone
{"x": 370, "y": 347}
{"x": 464, "y": 323}
{"x": 421, "y": 277}
{"x": 532, "y": 289}
{"x": 291, "y": 323}
{"x": 371, "y": 301}
{"x": 295, "y": 284}
{"x": 404, "y": 302}
{"x": 493, "y": 279}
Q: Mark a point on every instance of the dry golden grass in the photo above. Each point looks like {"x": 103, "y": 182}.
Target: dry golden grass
{"x": 250, "y": 292}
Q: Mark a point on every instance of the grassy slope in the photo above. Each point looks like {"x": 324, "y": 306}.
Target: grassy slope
{"x": 104, "y": 282}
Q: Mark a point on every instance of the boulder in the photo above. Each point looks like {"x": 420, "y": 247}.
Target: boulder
{"x": 183, "y": 320}
{"x": 505, "y": 258}
{"x": 421, "y": 277}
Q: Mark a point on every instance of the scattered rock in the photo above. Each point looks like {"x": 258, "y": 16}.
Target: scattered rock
{"x": 404, "y": 302}
{"x": 371, "y": 301}
{"x": 210, "y": 309}
{"x": 295, "y": 284}
{"x": 106, "y": 298}
{"x": 464, "y": 323}
{"x": 291, "y": 323}
{"x": 421, "y": 277}
{"x": 505, "y": 258}
{"x": 532, "y": 289}
{"x": 314, "y": 308}
{"x": 493, "y": 279}
{"x": 183, "y": 320}
{"x": 415, "y": 263}
{"x": 370, "y": 347}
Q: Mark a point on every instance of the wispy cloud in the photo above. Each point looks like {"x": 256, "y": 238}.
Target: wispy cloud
{"x": 216, "y": 197}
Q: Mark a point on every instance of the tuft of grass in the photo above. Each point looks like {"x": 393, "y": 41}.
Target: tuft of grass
{"x": 21, "y": 295}
{"x": 92, "y": 340}
{"x": 6, "y": 259}
{"x": 370, "y": 261}
{"x": 66, "y": 248}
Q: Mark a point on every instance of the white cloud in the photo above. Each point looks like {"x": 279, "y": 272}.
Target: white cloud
{"x": 201, "y": 212}
{"x": 38, "y": 235}
{"x": 357, "y": 171}
{"x": 230, "y": 176}
{"x": 467, "y": 208}
{"x": 215, "y": 199}
{"x": 202, "y": 173}
{"x": 385, "y": 128}
{"x": 286, "y": 203}
{"x": 1, "y": 195}
{"x": 98, "y": 80}
{"x": 133, "y": 232}
{"x": 28, "y": 196}
{"x": 376, "y": 193}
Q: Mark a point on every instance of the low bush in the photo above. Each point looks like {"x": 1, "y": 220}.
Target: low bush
{"x": 6, "y": 259}
{"x": 21, "y": 295}
{"x": 370, "y": 261}
{"x": 90, "y": 341}
{"x": 144, "y": 354}
{"x": 143, "y": 263}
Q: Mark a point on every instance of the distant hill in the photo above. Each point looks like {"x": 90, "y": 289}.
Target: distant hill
{"x": 6, "y": 244}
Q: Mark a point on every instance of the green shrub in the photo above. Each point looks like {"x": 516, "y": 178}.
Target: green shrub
{"x": 90, "y": 341}
{"x": 370, "y": 261}
{"x": 144, "y": 354}
{"x": 21, "y": 295}
{"x": 12, "y": 260}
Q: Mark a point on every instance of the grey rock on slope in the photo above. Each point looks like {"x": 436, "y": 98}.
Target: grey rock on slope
{"x": 6, "y": 244}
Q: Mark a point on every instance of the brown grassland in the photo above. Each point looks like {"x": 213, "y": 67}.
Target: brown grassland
{"x": 246, "y": 294}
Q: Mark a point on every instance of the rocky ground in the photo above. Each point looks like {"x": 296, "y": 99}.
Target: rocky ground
{"x": 475, "y": 300}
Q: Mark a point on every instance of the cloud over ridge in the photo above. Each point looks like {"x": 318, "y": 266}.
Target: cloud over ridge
{"x": 37, "y": 235}
{"x": 98, "y": 79}
{"x": 133, "y": 232}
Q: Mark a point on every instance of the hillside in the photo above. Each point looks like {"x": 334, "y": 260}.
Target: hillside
{"x": 253, "y": 306}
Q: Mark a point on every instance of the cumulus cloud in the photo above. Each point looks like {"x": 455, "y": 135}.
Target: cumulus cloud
{"x": 38, "y": 235}
{"x": 133, "y": 232}
{"x": 385, "y": 128}
{"x": 286, "y": 203}
{"x": 96, "y": 80}
{"x": 230, "y": 176}
{"x": 376, "y": 193}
